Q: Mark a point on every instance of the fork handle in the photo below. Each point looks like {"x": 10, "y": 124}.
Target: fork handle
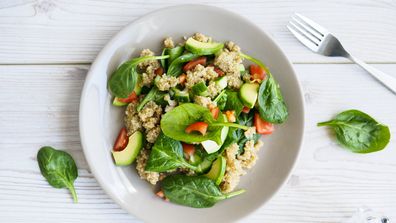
{"x": 387, "y": 80}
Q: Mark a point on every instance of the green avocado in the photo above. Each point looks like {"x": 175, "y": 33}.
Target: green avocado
{"x": 217, "y": 171}
{"x": 201, "y": 48}
{"x": 248, "y": 94}
{"x": 129, "y": 154}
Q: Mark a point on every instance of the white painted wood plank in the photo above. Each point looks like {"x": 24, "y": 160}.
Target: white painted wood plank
{"x": 40, "y": 107}
{"x": 64, "y": 31}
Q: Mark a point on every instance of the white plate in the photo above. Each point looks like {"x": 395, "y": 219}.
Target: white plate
{"x": 100, "y": 121}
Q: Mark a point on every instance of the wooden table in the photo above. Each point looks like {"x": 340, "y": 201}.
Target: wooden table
{"x": 46, "y": 48}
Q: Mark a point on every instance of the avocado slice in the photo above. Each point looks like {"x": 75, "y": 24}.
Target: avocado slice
{"x": 217, "y": 171}
{"x": 211, "y": 146}
{"x": 201, "y": 48}
{"x": 248, "y": 94}
{"x": 129, "y": 154}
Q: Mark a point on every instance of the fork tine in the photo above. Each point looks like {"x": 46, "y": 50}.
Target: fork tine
{"x": 305, "y": 33}
{"x": 313, "y": 24}
{"x": 303, "y": 39}
{"x": 313, "y": 32}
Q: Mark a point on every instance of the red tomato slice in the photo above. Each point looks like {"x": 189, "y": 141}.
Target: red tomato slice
{"x": 188, "y": 150}
{"x": 230, "y": 115}
{"x": 182, "y": 78}
{"x": 262, "y": 127}
{"x": 246, "y": 109}
{"x": 219, "y": 71}
{"x": 131, "y": 98}
{"x": 201, "y": 127}
{"x": 215, "y": 112}
{"x": 121, "y": 141}
{"x": 257, "y": 72}
{"x": 190, "y": 65}
{"x": 159, "y": 71}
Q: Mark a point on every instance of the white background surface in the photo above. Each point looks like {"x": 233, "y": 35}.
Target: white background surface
{"x": 47, "y": 46}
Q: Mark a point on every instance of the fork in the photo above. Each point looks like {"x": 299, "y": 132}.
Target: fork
{"x": 321, "y": 41}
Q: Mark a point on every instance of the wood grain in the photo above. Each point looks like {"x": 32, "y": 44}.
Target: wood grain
{"x": 65, "y": 31}
{"x": 40, "y": 107}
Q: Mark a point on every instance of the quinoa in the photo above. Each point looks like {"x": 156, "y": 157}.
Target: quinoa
{"x": 131, "y": 119}
{"x": 198, "y": 74}
{"x": 202, "y": 38}
{"x": 204, "y": 101}
{"x": 168, "y": 42}
{"x": 231, "y": 46}
{"x": 250, "y": 132}
{"x": 249, "y": 156}
{"x": 237, "y": 164}
{"x": 152, "y": 134}
{"x": 166, "y": 82}
{"x": 213, "y": 89}
{"x": 233, "y": 169}
{"x": 229, "y": 62}
{"x": 246, "y": 77}
{"x": 141, "y": 161}
{"x": 150, "y": 117}
{"x": 149, "y": 67}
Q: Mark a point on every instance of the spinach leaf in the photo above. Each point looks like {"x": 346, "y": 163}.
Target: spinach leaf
{"x": 233, "y": 102}
{"x": 194, "y": 191}
{"x": 163, "y": 61}
{"x": 175, "y": 53}
{"x": 221, "y": 100}
{"x": 154, "y": 95}
{"x": 123, "y": 80}
{"x": 175, "y": 68}
{"x": 59, "y": 168}
{"x": 166, "y": 154}
{"x": 174, "y": 123}
{"x": 359, "y": 132}
{"x": 238, "y": 135}
{"x": 272, "y": 107}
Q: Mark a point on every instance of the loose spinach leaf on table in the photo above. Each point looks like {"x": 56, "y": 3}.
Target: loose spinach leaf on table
{"x": 166, "y": 154}
{"x": 174, "y": 123}
{"x": 59, "y": 168}
{"x": 271, "y": 105}
{"x": 154, "y": 95}
{"x": 123, "y": 80}
{"x": 176, "y": 67}
{"x": 194, "y": 191}
{"x": 359, "y": 132}
{"x": 233, "y": 102}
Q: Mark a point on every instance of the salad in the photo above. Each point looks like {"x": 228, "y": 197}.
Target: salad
{"x": 194, "y": 116}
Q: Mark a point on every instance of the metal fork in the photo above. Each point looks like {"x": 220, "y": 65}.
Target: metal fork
{"x": 321, "y": 41}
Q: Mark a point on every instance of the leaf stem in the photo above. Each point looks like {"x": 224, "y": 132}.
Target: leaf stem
{"x": 235, "y": 193}
{"x": 256, "y": 61}
{"x": 244, "y": 127}
{"x": 73, "y": 192}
